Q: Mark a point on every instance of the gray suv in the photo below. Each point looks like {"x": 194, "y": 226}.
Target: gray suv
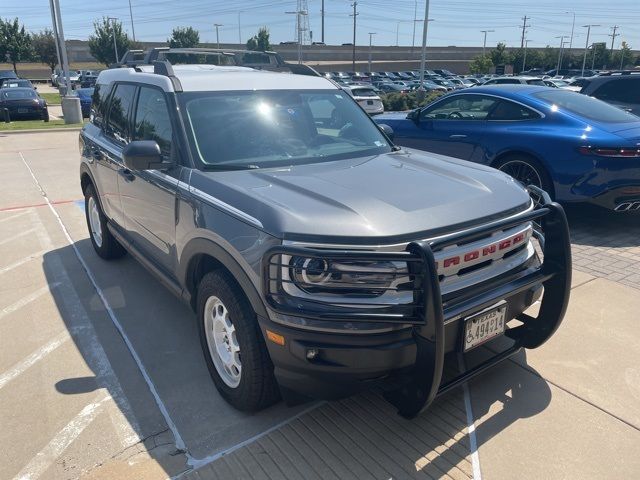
{"x": 319, "y": 258}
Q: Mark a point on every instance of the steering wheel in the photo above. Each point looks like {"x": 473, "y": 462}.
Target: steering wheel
{"x": 348, "y": 131}
{"x": 456, "y": 115}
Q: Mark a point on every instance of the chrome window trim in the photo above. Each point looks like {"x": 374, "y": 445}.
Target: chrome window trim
{"x": 542, "y": 115}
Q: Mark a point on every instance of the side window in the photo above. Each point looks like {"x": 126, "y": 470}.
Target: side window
{"x": 152, "y": 120}
{"x": 627, "y": 91}
{"x": 120, "y": 105}
{"x": 99, "y": 103}
{"x": 460, "y": 107}
{"x": 512, "y": 111}
{"x": 504, "y": 81}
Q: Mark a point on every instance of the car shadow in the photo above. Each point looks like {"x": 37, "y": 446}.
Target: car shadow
{"x": 597, "y": 227}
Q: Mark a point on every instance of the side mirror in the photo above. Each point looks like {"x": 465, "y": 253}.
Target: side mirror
{"x": 142, "y": 155}
{"x": 414, "y": 115}
{"x": 387, "y": 130}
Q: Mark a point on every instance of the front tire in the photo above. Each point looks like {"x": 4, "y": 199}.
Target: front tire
{"x": 105, "y": 244}
{"x": 233, "y": 346}
{"x": 526, "y": 170}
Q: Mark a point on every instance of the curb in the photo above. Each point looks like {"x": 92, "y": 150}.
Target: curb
{"x": 40, "y": 130}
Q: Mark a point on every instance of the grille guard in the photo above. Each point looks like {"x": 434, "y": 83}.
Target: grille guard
{"x": 428, "y": 314}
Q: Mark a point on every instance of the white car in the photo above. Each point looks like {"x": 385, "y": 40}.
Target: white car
{"x": 514, "y": 80}
{"x": 367, "y": 98}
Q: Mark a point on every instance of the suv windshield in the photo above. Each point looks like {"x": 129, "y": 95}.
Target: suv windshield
{"x": 585, "y": 106}
{"x": 258, "y": 129}
{"x": 11, "y": 94}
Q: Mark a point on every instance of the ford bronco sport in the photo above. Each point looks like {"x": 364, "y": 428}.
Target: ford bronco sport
{"x": 319, "y": 257}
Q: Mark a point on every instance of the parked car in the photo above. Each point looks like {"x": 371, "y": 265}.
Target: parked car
{"x": 87, "y": 79}
{"x": 17, "y": 83}
{"x": 620, "y": 90}
{"x": 367, "y": 98}
{"x": 570, "y": 72}
{"x": 577, "y": 148}
{"x": 23, "y": 104}
{"x": 391, "y": 88}
{"x": 85, "y": 95}
{"x": 7, "y": 75}
{"x": 294, "y": 228}
{"x": 515, "y": 81}
{"x": 443, "y": 72}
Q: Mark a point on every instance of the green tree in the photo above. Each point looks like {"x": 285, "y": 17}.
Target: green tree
{"x": 622, "y": 58}
{"x": 15, "y": 42}
{"x": 101, "y": 42}
{"x": 44, "y": 47}
{"x": 500, "y": 56}
{"x": 481, "y": 64}
{"x": 259, "y": 42}
{"x": 184, "y": 37}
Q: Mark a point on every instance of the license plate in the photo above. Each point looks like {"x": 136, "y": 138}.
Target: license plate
{"x": 23, "y": 110}
{"x": 484, "y": 326}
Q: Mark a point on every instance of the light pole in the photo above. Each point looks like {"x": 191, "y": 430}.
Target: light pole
{"x": 573, "y": 26}
{"x": 217, "y": 34}
{"x": 133, "y": 30}
{"x": 415, "y": 20}
{"x": 239, "y": 28}
{"x": 371, "y": 34}
{"x": 561, "y": 37}
{"x": 586, "y": 46}
{"x": 484, "y": 42}
{"x": 524, "y": 58}
{"x": 113, "y": 29}
{"x": 423, "y": 57}
{"x": 397, "y": 32}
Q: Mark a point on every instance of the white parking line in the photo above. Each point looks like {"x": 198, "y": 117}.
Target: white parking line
{"x": 19, "y": 235}
{"x": 58, "y": 444}
{"x": 22, "y": 262}
{"x": 5, "y": 219}
{"x": 471, "y": 427}
{"x": 27, "y": 299}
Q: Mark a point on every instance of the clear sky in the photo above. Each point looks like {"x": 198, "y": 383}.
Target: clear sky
{"x": 455, "y": 22}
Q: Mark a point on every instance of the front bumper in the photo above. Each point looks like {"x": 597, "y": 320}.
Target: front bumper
{"x": 411, "y": 357}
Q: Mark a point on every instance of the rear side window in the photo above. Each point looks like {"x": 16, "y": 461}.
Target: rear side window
{"x": 152, "y": 121}
{"x": 584, "y": 106}
{"x": 619, "y": 90}
{"x": 120, "y": 106}
{"x": 99, "y": 103}
{"x": 507, "y": 81}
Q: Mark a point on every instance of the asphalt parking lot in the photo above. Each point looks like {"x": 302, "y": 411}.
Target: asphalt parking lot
{"x": 102, "y": 376}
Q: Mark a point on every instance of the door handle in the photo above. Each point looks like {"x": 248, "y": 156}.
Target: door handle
{"x": 126, "y": 174}
{"x": 457, "y": 136}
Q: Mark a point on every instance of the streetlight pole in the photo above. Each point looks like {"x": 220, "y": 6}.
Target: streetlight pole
{"x": 133, "y": 30}
{"x": 586, "y": 46}
{"x": 415, "y": 20}
{"x": 354, "y": 15}
{"x": 371, "y": 34}
{"x": 561, "y": 37}
{"x": 217, "y": 34}
{"x": 573, "y": 26}
{"x": 239, "y": 28}
{"x": 397, "y": 32}
{"x": 484, "y": 42}
{"x": 524, "y": 58}
{"x": 423, "y": 58}
{"x": 113, "y": 29}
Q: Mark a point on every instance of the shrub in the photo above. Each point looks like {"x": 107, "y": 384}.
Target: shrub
{"x": 407, "y": 101}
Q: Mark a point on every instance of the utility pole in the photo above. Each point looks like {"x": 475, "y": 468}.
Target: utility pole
{"x": 133, "y": 30}
{"x": 371, "y": 34}
{"x": 423, "y": 58}
{"x": 218, "y": 34}
{"x": 524, "y": 58}
{"x": 322, "y": 17}
{"x": 586, "y": 46}
{"x": 299, "y": 27}
{"x": 415, "y": 20}
{"x": 613, "y": 36}
{"x": 573, "y": 26}
{"x": 239, "y": 28}
{"x": 524, "y": 30}
{"x": 561, "y": 37}
{"x": 484, "y": 42}
{"x": 113, "y": 29}
{"x": 354, "y": 15}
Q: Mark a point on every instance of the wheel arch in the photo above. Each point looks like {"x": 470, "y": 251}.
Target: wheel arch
{"x": 526, "y": 153}
{"x": 201, "y": 256}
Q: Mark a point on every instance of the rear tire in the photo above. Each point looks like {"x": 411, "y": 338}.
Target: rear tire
{"x": 233, "y": 344}
{"x": 104, "y": 243}
{"x": 526, "y": 170}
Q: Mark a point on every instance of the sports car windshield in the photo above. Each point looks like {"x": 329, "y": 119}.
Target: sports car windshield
{"x": 259, "y": 129}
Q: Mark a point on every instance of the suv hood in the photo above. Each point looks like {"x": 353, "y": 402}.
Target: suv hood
{"x": 398, "y": 196}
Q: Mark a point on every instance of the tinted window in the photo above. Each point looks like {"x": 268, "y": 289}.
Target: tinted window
{"x": 363, "y": 92}
{"x": 99, "y": 103}
{"x": 507, "y": 81}
{"x": 460, "y": 107}
{"x": 511, "y": 111}
{"x": 255, "y": 129}
{"x": 584, "y": 106}
{"x": 535, "y": 81}
{"x": 11, "y": 94}
{"x": 152, "y": 121}
{"x": 622, "y": 90}
{"x": 120, "y": 105}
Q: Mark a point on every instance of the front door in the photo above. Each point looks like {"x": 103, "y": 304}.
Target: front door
{"x": 149, "y": 197}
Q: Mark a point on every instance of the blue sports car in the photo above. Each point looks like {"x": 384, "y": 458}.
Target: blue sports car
{"x": 577, "y": 148}
{"x": 85, "y": 94}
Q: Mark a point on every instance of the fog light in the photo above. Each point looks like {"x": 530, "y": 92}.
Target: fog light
{"x": 312, "y": 353}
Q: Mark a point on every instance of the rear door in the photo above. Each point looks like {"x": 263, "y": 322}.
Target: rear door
{"x": 453, "y": 126}
{"x": 149, "y": 196}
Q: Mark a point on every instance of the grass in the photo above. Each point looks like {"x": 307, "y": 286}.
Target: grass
{"x": 51, "y": 98}
{"x": 36, "y": 124}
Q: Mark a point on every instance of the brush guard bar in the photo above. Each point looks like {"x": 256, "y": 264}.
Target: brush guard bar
{"x": 428, "y": 313}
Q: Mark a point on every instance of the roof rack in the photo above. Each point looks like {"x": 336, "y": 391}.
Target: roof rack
{"x": 620, "y": 72}
{"x": 259, "y": 60}
{"x": 164, "y": 68}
